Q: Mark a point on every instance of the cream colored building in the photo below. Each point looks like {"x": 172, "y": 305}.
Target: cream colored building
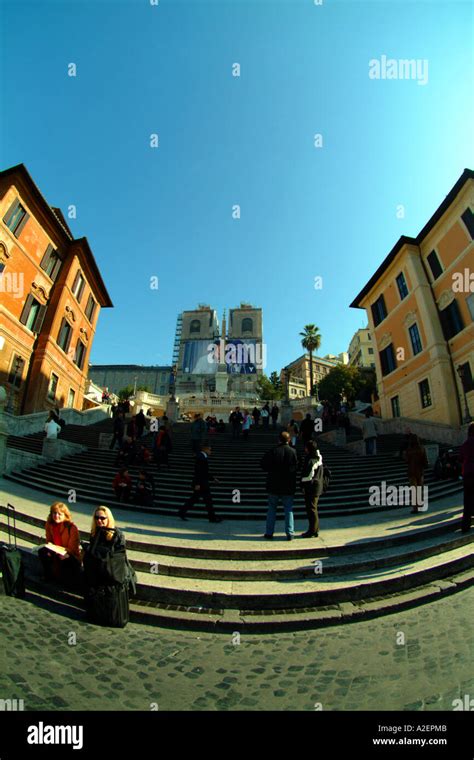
{"x": 420, "y": 305}
{"x": 361, "y": 349}
{"x": 298, "y": 374}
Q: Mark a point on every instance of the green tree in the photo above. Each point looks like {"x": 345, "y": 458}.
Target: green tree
{"x": 277, "y": 385}
{"x": 145, "y": 388}
{"x": 340, "y": 381}
{"x": 125, "y": 393}
{"x": 269, "y": 389}
{"x": 311, "y": 341}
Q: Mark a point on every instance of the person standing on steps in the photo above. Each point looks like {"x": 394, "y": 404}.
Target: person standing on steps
{"x": 140, "y": 423}
{"x": 466, "y": 454}
{"x": 293, "y": 432}
{"x": 119, "y": 429}
{"x": 52, "y": 428}
{"x": 369, "y": 433}
{"x": 274, "y": 414}
{"x": 246, "y": 424}
{"x": 306, "y": 429}
{"x": 280, "y": 464}
{"x": 201, "y": 488}
{"x": 265, "y": 414}
{"x": 198, "y": 431}
{"x": 416, "y": 459}
{"x": 312, "y": 486}
{"x": 236, "y": 419}
{"x": 256, "y": 415}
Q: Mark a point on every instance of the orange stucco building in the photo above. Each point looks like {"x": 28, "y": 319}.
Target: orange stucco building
{"x": 420, "y": 305}
{"x": 51, "y": 293}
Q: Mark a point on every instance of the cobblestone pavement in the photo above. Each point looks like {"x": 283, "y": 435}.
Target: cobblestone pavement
{"x": 361, "y": 666}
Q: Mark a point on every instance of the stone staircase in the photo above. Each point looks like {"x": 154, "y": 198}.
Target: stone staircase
{"x": 241, "y": 492}
{"x": 225, "y": 577}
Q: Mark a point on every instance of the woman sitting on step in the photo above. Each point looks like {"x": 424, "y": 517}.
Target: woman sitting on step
{"x": 61, "y": 556}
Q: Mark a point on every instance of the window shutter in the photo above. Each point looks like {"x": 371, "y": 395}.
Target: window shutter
{"x": 45, "y": 259}
{"x": 22, "y": 224}
{"x": 8, "y": 216}
{"x": 26, "y": 310}
{"x": 56, "y": 269}
{"x": 68, "y": 339}
{"x": 38, "y": 323}
{"x": 445, "y": 324}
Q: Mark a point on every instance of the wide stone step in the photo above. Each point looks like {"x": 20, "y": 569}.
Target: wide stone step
{"x": 368, "y": 556}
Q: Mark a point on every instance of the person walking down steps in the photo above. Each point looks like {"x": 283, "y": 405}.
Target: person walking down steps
{"x": 201, "y": 485}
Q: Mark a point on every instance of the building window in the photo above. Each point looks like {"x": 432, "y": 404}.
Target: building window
{"x": 71, "y": 398}
{"x": 467, "y": 381}
{"x": 80, "y": 354}
{"x": 51, "y": 262}
{"x": 64, "y": 337}
{"x": 395, "y": 406}
{"x": 402, "y": 286}
{"x": 379, "y": 311}
{"x": 33, "y": 314}
{"x": 435, "y": 266}
{"x": 53, "y": 387}
{"x": 369, "y": 336}
{"x": 415, "y": 339}
{"x": 387, "y": 360}
{"x": 16, "y": 218}
{"x": 470, "y": 305}
{"x": 451, "y": 320}
{"x": 370, "y": 350}
{"x": 90, "y": 308}
{"x": 195, "y": 326}
{"x": 247, "y": 325}
{"x": 16, "y": 371}
{"x": 425, "y": 394}
{"x": 468, "y": 219}
{"x": 78, "y": 286}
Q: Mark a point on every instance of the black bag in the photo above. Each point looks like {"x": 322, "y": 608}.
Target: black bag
{"x": 105, "y": 564}
{"x": 62, "y": 423}
{"x": 11, "y": 562}
{"x": 108, "y": 605}
{"x": 326, "y": 478}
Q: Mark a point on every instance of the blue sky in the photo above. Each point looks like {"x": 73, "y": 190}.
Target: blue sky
{"x": 223, "y": 140}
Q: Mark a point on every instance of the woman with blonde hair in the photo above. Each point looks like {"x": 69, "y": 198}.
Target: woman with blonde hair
{"x": 61, "y": 556}
{"x": 103, "y": 518}
{"x": 108, "y": 573}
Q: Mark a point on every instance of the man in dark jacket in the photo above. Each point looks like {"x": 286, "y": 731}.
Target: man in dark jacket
{"x": 466, "y": 454}
{"x": 201, "y": 489}
{"x": 274, "y": 414}
{"x": 198, "y": 430}
{"x": 119, "y": 429}
{"x": 307, "y": 427}
{"x": 140, "y": 422}
{"x": 280, "y": 464}
{"x": 236, "y": 419}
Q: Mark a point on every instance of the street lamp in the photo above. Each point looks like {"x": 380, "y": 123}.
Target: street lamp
{"x": 467, "y": 416}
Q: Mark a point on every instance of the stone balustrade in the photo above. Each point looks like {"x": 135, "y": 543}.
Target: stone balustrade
{"x": 429, "y": 431}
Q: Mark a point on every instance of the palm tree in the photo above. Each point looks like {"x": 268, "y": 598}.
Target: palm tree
{"x": 311, "y": 341}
